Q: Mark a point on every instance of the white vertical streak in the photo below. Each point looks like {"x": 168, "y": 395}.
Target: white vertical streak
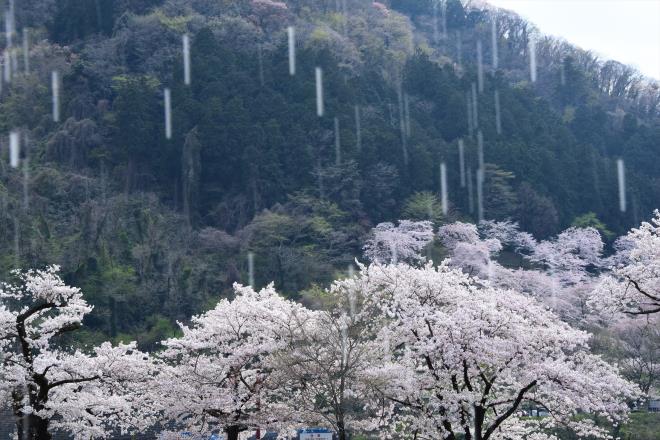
{"x": 14, "y": 148}
{"x": 12, "y": 14}
{"x": 459, "y": 48}
{"x": 320, "y": 108}
{"x": 469, "y": 113}
{"x": 9, "y": 29}
{"x": 444, "y": 20}
{"x": 186, "y": 59}
{"x": 291, "y": 31}
{"x": 358, "y": 128}
{"x": 475, "y": 107}
{"x": 622, "y": 184}
{"x": 251, "y": 268}
{"x": 26, "y": 49}
{"x": 7, "y": 66}
{"x": 14, "y": 60}
{"x": 436, "y": 34}
{"x": 55, "y": 86}
{"x": 344, "y": 344}
{"x": 532, "y": 59}
{"x": 461, "y": 161}
{"x": 443, "y": 189}
{"x": 345, "y": 19}
{"x": 493, "y": 36}
{"x": 470, "y": 191}
{"x": 480, "y": 149}
{"x": 406, "y": 113}
{"x": 480, "y": 67}
{"x": 480, "y": 193}
{"x": 167, "y": 95}
{"x": 498, "y": 115}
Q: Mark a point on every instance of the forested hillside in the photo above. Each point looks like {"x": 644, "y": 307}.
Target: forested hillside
{"x": 155, "y": 229}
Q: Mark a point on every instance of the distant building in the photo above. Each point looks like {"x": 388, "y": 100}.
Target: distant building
{"x": 315, "y": 434}
{"x": 267, "y": 436}
{"x": 6, "y": 423}
{"x": 534, "y": 412}
{"x": 654, "y": 404}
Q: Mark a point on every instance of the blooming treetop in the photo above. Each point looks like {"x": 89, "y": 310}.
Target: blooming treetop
{"x": 87, "y": 395}
{"x": 463, "y": 359}
{"x": 468, "y": 250}
{"x": 573, "y": 249}
{"x": 508, "y": 234}
{"x": 569, "y": 263}
{"x": 559, "y": 276}
{"x": 638, "y": 342}
{"x": 219, "y": 374}
{"x": 633, "y": 286}
{"x": 390, "y": 243}
{"x": 326, "y": 363}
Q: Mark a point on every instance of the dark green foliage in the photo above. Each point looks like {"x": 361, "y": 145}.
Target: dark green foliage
{"x": 155, "y": 230}
{"x": 642, "y": 426}
{"x": 536, "y": 213}
{"x": 75, "y": 19}
{"x": 413, "y": 8}
{"x": 499, "y": 198}
{"x": 589, "y": 220}
{"x": 423, "y": 206}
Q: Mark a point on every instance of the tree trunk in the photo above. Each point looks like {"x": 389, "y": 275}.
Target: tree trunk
{"x": 232, "y": 432}
{"x": 341, "y": 431}
{"x": 32, "y": 428}
{"x": 20, "y": 427}
{"x": 29, "y": 426}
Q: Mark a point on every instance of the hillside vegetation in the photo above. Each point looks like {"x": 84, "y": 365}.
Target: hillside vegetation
{"x": 154, "y": 229}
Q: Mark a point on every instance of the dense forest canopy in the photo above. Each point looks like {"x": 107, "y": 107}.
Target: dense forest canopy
{"x": 156, "y": 229}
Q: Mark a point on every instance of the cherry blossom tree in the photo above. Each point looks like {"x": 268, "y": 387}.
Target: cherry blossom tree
{"x": 508, "y": 234}
{"x": 573, "y": 249}
{"x": 638, "y": 343}
{"x": 561, "y": 272}
{"x": 633, "y": 286}
{"x": 570, "y": 264}
{"x": 52, "y": 388}
{"x": 326, "y": 363}
{"x": 463, "y": 359}
{"x": 405, "y": 242}
{"x": 468, "y": 250}
{"x": 219, "y": 376}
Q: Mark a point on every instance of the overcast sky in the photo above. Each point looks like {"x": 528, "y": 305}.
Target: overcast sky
{"x": 623, "y": 30}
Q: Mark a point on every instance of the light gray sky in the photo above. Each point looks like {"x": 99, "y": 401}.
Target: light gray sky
{"x": 624, "y": 30}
